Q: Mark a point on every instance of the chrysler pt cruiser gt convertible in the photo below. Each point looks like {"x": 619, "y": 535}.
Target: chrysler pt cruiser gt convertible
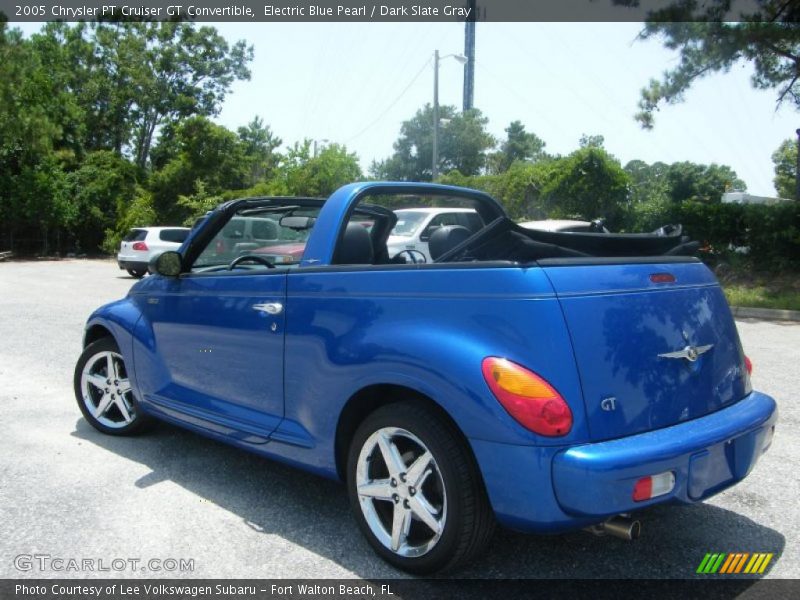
{"x": 542, "y": 380}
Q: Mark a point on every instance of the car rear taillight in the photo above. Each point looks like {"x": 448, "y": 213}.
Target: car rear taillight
{"x": 533, "y": 402}
{"x": 653, "y": 486}
{"x": 748, "y": 370}
{"x": 140, "y": 246}
{"x": 662, "y": 278}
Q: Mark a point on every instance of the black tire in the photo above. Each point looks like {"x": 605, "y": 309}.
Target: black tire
{"x": 137, "y": 273}
{"x": 468, "y": 519}
{"x": 93, "y": 352}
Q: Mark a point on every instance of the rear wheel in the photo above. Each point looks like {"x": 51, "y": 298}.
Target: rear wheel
{"x": 103, "y": 390}
{"x": 415, "y": 490}
{"x": 137, "y": 273}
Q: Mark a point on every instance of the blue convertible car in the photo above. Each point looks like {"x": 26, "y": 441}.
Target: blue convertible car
{"x": 543, "y": 380}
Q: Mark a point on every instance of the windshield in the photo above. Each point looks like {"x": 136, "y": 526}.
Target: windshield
{"x": 408, "y": 222}
{"x": 260, "y": 232}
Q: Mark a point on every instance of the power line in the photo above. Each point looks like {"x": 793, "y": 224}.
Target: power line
{"x": 395, "y": 101}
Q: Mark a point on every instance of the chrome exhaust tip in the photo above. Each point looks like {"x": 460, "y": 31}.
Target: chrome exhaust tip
{"x": 620, "y": 527}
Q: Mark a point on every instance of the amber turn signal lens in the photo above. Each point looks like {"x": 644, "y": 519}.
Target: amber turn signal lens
{"x": 527, "y": 397}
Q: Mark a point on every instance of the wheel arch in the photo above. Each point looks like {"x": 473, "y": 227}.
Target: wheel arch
{"x": 96, "y": 332}
{"x": 371, "y": 397}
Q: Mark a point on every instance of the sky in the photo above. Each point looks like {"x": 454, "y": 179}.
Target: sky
{"x": 355, "y": 83}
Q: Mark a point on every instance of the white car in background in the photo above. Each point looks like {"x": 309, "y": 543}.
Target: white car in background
{"x": 141, "y": 244}
{"x": 415, "y": 226}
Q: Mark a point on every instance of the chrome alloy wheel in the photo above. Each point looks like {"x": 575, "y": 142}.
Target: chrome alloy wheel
{"x": 401, "y": 492}
{"x": 106, "y": 390}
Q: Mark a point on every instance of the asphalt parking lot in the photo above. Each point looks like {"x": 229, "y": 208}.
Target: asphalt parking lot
{"x": 68, "y": 491}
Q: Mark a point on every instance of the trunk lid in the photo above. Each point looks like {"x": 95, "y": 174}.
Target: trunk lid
{"x": 635, "y": 331}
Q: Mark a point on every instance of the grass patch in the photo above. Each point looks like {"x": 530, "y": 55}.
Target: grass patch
{"x": 747, "y": 287}
{"x": 761, "y": 297}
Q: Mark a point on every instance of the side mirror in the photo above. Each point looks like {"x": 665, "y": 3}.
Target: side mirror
{"x": 167, "y": 264}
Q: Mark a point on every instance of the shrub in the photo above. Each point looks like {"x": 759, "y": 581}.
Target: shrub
{"x": 139, "y": 213}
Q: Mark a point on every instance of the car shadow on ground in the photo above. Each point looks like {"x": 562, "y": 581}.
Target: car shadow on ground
{"x": 314, "y": 513}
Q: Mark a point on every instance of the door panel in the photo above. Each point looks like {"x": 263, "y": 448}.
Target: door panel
{"x": 214, "y": 356}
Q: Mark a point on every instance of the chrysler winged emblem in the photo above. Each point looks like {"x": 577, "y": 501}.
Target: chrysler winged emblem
{"x": 690, "y": 353}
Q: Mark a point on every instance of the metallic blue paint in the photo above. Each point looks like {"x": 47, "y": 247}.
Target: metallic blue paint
{"x": 727, "y": 443}
{"x": 556, "y": 489}
{"x": 202, "y": 349}
{"x": 201, "y": 357}
{"x": 620, "y": 322}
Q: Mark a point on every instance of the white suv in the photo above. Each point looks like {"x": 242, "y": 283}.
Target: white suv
{"x": 141, "y": 244}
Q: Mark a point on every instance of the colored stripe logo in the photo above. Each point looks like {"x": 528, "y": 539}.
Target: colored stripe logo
{"x": 734, "y": 562}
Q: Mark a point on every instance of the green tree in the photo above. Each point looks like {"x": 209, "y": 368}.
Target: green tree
{"x": 101, "y": 190}
{"x": 591, "y": 141}
{"x": 320, "y": 175}
{"x": 587, "y": 184}
{"x": 129, "y": 78}
{"x": 710, "y": 38}
{"x": 78, "y": 100}
{"x": 785, "y": 161}
{"x": 139, "y": 212}
{"x": 519, "y": 145}
{"x": 648, "y": 182}
{"x": 36, "y": 121}
{"x": 41, "y": 204}
{"x": 463, "y": 143}
{"x": 260, "y": 145}
{"x": 196, "y": 152}
{"x": 703, "y": 183}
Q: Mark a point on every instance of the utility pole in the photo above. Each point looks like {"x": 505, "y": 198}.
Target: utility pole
{"x": 435, "y": 164}
{"x": 325, "y": 141}
{"x": 469, "y": 52}
{"x": 436, "y": 58}
{"x": 797, "y": 169}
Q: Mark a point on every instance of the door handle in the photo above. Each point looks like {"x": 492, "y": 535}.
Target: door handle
{"x": 272, "y": 308}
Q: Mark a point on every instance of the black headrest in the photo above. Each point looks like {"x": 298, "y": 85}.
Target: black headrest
{"x": 355, "y": 248}
{"x": 446, "y": 238}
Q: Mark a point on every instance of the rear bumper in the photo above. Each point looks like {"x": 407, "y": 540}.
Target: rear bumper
{"x": 135, "y": 265}
{"x": 552, "y": 489}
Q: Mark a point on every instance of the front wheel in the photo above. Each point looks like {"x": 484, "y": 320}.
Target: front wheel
{"x": 103, "y": 390}
{"x": 415, "y": 490}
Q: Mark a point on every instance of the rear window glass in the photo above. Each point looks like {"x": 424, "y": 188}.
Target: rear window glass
{"x": 135, "y": 235}
{"x": 173, "y": 235}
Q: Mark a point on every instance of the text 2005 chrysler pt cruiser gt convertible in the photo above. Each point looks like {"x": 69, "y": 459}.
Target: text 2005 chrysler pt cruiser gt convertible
{"x": 543, "y": 380}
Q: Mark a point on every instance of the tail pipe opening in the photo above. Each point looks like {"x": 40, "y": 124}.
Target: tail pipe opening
{"x": 621, "y": 526}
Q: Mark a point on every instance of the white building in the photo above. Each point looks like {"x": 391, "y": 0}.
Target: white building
{"x": 745, "y": 198}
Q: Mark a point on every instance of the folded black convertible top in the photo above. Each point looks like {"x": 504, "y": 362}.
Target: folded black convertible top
{"x": 505, "y": 240}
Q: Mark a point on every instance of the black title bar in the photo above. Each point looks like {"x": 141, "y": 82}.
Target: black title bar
{"x": 705, "y": 588}
{"x": 397, "y": 10}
